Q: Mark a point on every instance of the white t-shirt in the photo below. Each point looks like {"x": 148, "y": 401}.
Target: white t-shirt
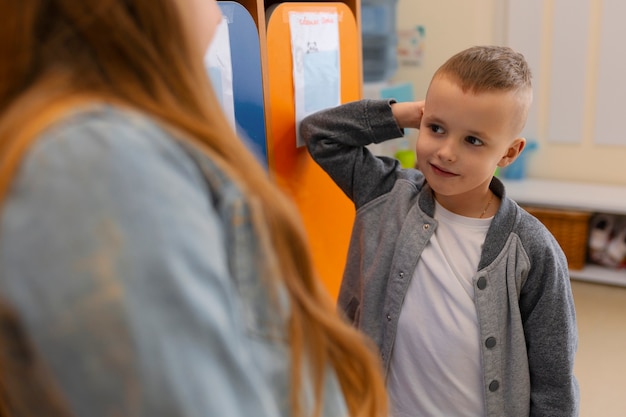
{"x": 436, "y": 366}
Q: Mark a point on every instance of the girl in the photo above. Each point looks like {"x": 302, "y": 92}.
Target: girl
{"x": 153, "y": 264}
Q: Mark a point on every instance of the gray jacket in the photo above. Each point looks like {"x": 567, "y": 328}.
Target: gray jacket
{"x": 522, "y": 289}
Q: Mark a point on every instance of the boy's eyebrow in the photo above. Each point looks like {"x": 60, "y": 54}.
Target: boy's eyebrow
{"x": 433, "y": 119}
{"x": 478, "y": 134}
{"x": 436, "y": 120}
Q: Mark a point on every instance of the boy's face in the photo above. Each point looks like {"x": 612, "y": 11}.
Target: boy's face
{"x": 463, "y": 137}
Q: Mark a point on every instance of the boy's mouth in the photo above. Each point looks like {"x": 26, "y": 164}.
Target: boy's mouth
{"x": 442, "y": 172}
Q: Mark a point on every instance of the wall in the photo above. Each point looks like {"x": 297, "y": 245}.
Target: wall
{"x": 451, "y": 26}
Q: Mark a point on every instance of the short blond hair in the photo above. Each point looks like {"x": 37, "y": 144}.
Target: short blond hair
{"x": 481, "y": 69}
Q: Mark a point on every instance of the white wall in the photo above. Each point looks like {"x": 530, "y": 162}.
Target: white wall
{"x": 451, "y": 26}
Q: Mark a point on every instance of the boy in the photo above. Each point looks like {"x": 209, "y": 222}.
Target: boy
{"x": 466, "y": 295}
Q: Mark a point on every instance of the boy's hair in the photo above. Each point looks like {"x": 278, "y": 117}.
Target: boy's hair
{"x": 481, "y": 69}
{"x": 488, "y": 68}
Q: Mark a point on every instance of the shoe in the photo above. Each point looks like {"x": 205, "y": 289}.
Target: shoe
{"x": 601, "y": 228}
{"x": 616, "y": 249}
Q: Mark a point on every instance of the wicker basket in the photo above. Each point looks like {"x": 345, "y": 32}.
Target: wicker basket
{"x": 570, "y": 228}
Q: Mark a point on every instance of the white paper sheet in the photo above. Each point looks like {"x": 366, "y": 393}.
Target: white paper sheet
{"x": 219, "y": 66}
{"x": 315, "y": 55}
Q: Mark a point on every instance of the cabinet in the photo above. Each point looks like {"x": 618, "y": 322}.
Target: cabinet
{"x": 257, "y": 9}
{"x": 326, "y": 212}
{"x": 566, "y": 195}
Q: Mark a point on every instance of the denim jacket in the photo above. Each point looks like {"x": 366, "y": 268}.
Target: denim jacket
{"x": 131, "y": 261}
{"x": 522, "y": 292}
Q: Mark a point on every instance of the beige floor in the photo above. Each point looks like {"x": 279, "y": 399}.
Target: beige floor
{"x": 601, "y": 359}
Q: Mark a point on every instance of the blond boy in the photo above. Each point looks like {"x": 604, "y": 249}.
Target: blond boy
{"x": 466, "y": 295}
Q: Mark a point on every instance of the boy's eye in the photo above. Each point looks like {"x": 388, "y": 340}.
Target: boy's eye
{"x": 436, "y": 129}
{"x": 473, "y": 140}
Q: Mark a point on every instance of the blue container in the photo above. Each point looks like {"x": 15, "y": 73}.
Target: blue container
{"x": 379, "y": 39}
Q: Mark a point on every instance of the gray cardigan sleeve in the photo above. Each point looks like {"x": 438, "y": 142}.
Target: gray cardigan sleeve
{"x": 337, "y": 138}
{"x": 549, "y": 317}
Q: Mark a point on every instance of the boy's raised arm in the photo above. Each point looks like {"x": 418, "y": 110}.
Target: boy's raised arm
{"x": 337, "y": 138}
{"x": 408, "y": 114}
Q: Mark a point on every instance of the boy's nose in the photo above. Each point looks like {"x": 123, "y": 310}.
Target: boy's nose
{"x": 447, "y": 151}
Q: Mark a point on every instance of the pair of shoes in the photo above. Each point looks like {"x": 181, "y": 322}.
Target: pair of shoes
{"x": 616, "y": 250}
{"x": 607, "y": 240}
{"x": 601, "y": 228}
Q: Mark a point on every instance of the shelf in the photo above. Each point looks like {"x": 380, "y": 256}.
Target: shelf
{"x": 569, "y": 195}
{"x": 600, "y": 274}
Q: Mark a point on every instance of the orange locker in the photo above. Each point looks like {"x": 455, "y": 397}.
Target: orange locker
{"x": 327, "y": 213}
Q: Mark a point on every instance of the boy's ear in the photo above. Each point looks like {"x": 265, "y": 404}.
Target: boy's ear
{"x": 512, "y": 152}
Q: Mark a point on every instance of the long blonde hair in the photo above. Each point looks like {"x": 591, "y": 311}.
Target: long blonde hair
{"x": 56, "y": 54}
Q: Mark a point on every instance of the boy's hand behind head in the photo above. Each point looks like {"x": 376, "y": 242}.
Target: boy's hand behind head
{"x": 408, "y": 114}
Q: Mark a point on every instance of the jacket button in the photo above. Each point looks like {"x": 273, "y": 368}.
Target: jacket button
{"x": 426, "y": 226}
{"x": 401, "y": 274}
{"x": 494, "y": 385}
{"x": 482, "y": 283}
{"x": 490, "y": 342}
{"x": 388, "y": 317}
